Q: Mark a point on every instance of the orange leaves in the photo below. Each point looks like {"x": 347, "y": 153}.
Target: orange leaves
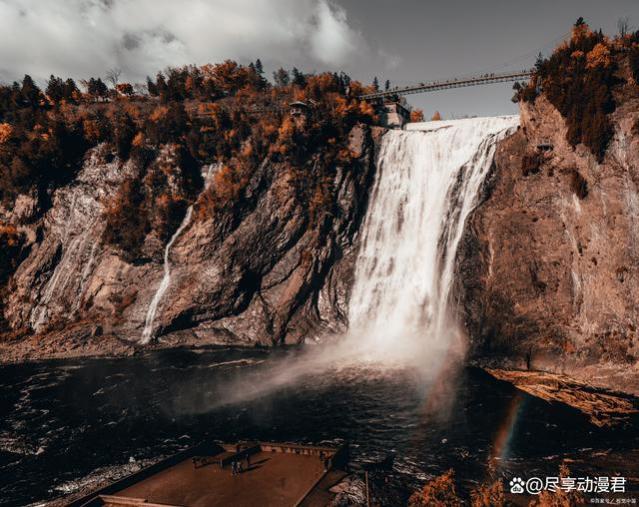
{"x": 366, "y": 109}
{"x": 436, "y": 116}
{"x": 599, "y": 56}
{"x": 6, "y": 131}
{"x": 284, "y": 137}
{"x": 577, "y": 55}
{"x": 124, "y": 89}
{"x": 247, "y": 150}
{"x": 228, "y": 76}
{"x": 92, "y": 131}
{"x": 138, "y": 140}
{"x": 416, "y": 115}
{"x": 580, "y": 31}
{"x": 439, "y": 492}
{"x": 159, "y": 113}
{"x": 9, "y": 235}
{"x": 227, "y": 184}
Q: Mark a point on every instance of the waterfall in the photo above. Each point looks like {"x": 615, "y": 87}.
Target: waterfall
{"x": 147, "y": 333}
{"x": 166, "y": 280}
{"x": 426, "y": 185}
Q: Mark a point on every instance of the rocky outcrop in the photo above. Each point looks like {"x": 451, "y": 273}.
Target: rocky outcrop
{"x": 547, "y": 271}
{"x": 267, "y": 275}
{"x": 603, "y": 407}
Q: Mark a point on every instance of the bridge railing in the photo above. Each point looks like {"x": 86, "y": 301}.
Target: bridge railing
{"x": 450, "y": 83}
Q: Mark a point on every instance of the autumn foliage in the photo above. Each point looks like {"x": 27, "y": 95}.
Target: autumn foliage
{"x": 439, "y": 492}
{"x": 416, "y": 115}
{"x": 226, "y": 114}
{"x": 580, "y": 79}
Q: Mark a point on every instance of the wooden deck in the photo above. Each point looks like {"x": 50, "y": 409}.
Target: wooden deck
{"x": 279, "y": 475}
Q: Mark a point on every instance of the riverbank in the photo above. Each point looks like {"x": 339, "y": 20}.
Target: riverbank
{"x": 77, "y": 343}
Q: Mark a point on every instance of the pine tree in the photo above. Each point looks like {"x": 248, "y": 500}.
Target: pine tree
{"x": 258, "y": 67}
{"x": 55, "y": 89}
{"x": 281, "y": 77}
{"x": 70, "y": 90}
{"x": 30, "y": 93}
{"x": 298, "y": 78}
{"x": 151, "y": 87}
{"x": 375, "y": 84}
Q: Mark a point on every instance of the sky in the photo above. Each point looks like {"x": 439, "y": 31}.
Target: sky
{"x": 405, "y": 41}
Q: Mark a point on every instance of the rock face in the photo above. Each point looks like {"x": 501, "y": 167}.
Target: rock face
{"x": 263, "y": 277}
{"x": 547, "y": 271}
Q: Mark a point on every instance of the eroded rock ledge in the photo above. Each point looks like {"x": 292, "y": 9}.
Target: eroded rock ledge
{"x": 602, "y": 406}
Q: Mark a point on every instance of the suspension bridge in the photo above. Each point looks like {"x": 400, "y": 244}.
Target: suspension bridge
{"x": 475, "y": 80}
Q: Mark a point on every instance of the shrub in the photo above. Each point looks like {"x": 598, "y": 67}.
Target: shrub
{"x": 439, "y": 492}
{"x": 126, "y": 219}
{"x": 559, "y": 498}
{"x": 488, "y": 495}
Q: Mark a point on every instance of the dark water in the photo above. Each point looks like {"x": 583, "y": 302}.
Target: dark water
{"x": 64, "y": 420}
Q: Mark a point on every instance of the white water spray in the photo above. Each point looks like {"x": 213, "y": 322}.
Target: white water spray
{"x": 426, "y": 185}
{"x": 147, "y": 333}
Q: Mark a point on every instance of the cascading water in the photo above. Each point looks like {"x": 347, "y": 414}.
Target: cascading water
{"x": 426, "y": 185}
{"x": 147, "y": 333}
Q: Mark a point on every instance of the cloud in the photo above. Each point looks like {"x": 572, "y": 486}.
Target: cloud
{"x": 83, "y": 38}
{"x": 332, "y": 40}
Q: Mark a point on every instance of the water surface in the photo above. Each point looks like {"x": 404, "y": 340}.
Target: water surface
{"x": 65, "y": 419}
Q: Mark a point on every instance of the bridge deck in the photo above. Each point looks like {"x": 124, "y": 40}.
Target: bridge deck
{"x": 450, "y": 83}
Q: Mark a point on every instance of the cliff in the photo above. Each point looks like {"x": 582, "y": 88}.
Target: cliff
{"x": 269, "y": 273}
{"x": 547, "y": 272}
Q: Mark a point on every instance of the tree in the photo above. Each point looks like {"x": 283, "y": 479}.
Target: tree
{"x": 96, "y": 88}
{"x": 258, "y": 67}
{"x": 623, "y": 26}
{"x": 281, "y": 77}
{"x": 124, "y": 128}
{"x": 261, "y": 82}
{"x": 161, "y": 87}
{"x": 387, "y": 85}
{"x": 436, "y": 116}
{"x": 151, "y": 87}
{"x": 124, "y": 89}
{"x": 298, "y": 78}
{"x": 375, "y": 84}
{"x": 71, "y": 91}
{"x": 539, "y": 63}
{"x": 113, "y": 76}
{"x": 30, "y": 93}
{"x": 55, "y": 89}
{"x": 416, "y": 115}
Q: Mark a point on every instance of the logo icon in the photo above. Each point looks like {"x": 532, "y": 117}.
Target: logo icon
{"x": 516, "y": 485}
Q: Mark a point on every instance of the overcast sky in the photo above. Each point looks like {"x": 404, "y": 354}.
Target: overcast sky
{"x": 405, "y": 41}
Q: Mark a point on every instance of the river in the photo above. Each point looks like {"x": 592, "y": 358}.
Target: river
{"x": 65, "y": 420}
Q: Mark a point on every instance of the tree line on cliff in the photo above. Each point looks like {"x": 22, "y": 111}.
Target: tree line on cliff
{"x": 580, "y": 78}
{"x": 228, "y": 114}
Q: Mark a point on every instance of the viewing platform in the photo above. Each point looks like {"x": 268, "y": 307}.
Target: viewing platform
{"x": 272, "y": 474}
